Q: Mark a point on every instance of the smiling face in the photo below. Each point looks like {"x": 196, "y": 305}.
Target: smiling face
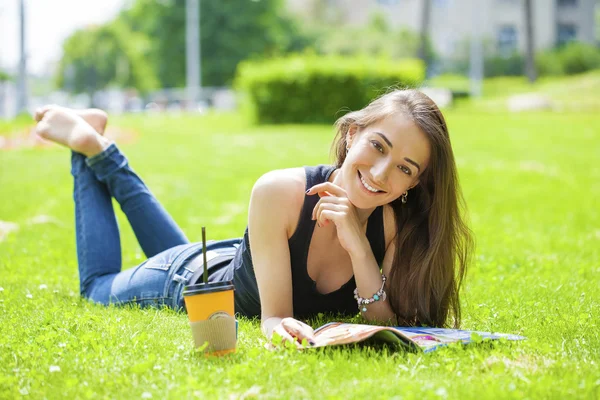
{"x": 385, "y": 159}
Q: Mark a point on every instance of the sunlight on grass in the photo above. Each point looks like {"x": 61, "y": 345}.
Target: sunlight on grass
{"x": 569, "y": 93}
{"x": 531, "y": 182}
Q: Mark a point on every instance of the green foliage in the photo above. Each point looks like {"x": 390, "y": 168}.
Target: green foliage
{"x": 494, "y": 64}
{"x": 549, "y": 63}
{"x": 460, "y": 85}
{"x": 4, "y": 76}
{"x": 579, "y": 57}
{"x": 230, "y": 31}
{"x": 572, "y": 58}
{"x": 97, "y": 57}
{"x": 377, "y": 38}
{"x": 512, "y": 65}
{"x": 311, "y": 88}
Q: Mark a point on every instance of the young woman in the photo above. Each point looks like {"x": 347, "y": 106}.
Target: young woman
{"x": 380, "y": 232}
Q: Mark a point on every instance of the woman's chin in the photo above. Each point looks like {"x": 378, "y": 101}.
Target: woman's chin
{"x": 364, "y": 203}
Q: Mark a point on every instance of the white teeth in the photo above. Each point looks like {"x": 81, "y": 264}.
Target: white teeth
{"x": 369, "y": 188}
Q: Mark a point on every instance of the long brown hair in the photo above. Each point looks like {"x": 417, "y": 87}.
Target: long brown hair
{"x": 433, "y": 242}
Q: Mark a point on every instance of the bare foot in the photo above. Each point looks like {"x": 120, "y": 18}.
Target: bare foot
{"x": 95, "y": 117}
{"x": 63, "y": 126}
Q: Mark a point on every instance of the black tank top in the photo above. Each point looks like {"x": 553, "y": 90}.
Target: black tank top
{"x": 307, "y": 301}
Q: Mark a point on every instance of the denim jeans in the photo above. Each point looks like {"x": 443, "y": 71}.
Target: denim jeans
{"x": 157, "y": 281}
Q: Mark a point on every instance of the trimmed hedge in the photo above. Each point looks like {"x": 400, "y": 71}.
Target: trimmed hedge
{"x": 313, "y": 89}
{"x": 512, "y": 65}
{"x": 572, "y": 58}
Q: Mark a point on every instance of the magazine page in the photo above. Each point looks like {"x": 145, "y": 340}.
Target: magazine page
{"x": 337, "y": 333}
{"x": 426, "y": 339}
{"x": 429, "y": 339}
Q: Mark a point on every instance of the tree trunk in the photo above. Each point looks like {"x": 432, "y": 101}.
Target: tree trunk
{"x": 529, "y": 37}
{"x": 424, "y": 30}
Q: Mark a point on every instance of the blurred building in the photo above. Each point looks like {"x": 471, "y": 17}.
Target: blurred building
{"x": 501, "y": 22}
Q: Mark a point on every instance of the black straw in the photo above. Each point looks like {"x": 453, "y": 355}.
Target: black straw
{"x": 204, "y": 254}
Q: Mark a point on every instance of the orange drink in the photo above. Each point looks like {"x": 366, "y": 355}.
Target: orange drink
{"x": 210, "y": 308}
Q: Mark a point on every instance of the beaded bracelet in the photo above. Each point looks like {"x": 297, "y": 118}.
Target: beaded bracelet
{"x": 379, "y": 295}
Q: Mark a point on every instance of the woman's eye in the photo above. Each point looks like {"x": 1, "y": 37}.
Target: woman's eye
{"x": 377, "y": 146}
{"x": 406, "y": 170}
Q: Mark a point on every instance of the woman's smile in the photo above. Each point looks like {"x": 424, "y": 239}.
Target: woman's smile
{"x": 368, "y": 188}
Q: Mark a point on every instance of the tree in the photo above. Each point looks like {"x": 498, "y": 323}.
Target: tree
{"x": 424, "y": 31}
{"x": 231, "y": 31}
{"x": 100, "y": 56}
{"x": 529, "y": 53}
{"x": 377, "y": 38}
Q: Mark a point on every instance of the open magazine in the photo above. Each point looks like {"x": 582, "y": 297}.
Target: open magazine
{"x": 415, "y": 339}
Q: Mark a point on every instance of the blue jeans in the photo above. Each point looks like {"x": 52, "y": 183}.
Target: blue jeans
{"x": 158, "y": 280}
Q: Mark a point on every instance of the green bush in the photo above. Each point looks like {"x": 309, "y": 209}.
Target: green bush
{"x": 573, "y": 58}
{"x": 454, "y": 82}
{"x": 313, "y": 89}
{"x": 549, "y": 63}
{"x": 579, "y": 57}
{"x": 4, "y": 76}
{"x": 503, "y": 66}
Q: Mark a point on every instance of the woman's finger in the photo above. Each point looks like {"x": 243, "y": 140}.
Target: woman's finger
{"x": 293, "y": 326}
{"x": 285, "y": 335}
{"x": 329, "y": 199}
{"x": 330, "y": 215}
{"x": 299, "y": 330}
{"x": 327, "y": 187}
{"x": 339, "y": 208}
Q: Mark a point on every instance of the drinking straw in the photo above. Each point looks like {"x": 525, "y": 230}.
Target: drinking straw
{"x": 204, "y": 254}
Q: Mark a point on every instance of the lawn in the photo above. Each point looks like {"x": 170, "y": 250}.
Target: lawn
{"x": 568, "y": 93}
{"x": 530, "y": 180}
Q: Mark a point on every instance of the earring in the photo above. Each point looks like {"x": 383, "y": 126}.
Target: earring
{"x": 404, "y": 197}
{"x": 347, "y": 148}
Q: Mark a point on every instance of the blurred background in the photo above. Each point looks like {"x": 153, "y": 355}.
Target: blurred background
{"x": 131, "y": 56}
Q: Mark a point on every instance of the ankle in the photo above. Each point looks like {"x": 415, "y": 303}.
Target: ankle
{"x": 97, "y": 146}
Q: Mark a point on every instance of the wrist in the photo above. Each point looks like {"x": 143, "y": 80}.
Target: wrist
{"x": 361, "y": 250}
{"x": 267, "y": 325}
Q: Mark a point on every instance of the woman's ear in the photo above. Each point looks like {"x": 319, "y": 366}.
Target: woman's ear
{"x": 351, "y": 134}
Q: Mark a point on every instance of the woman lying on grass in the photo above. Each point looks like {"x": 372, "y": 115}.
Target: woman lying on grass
{"x": 380, "y": 232}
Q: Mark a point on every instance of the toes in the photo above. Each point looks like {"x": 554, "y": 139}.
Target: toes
{"x": 41, "y": 129}
{"x": 40, "y": 112}
{"x": 96, "y": 118}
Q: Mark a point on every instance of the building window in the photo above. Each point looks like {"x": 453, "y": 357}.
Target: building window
{"x": 507, "y": 40}
{"x": 566, "y": 3}
{"x": 565, "y": 33}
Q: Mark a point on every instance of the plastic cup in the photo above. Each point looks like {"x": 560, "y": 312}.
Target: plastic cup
{"x": 210, "y": 310}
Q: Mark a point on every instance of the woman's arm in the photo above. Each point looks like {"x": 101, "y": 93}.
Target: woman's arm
{"x": 274, "y": 199}
{"x": 335, "y": 206}
{"x": 368, "y": 280}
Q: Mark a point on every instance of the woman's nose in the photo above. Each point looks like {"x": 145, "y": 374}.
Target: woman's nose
{"x": 379, "y": 173}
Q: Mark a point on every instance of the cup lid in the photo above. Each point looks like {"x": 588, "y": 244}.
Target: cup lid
{"x": 204, "y": 288}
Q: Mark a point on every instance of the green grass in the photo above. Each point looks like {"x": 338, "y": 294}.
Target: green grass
{"x": 568, "y": 93}
{"x": 18, "y": 126}
{"x": 530, "y": 180}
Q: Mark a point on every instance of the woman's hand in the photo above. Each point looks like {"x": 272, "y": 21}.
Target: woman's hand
{"x": 293, "y": 331}
{"x": 335, "y": 206}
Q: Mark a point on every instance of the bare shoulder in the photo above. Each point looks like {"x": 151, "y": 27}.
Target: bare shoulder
{"x": 284, "y": 189}
{"x": 390, "y": 228}
{"x": 287, "y": 178}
